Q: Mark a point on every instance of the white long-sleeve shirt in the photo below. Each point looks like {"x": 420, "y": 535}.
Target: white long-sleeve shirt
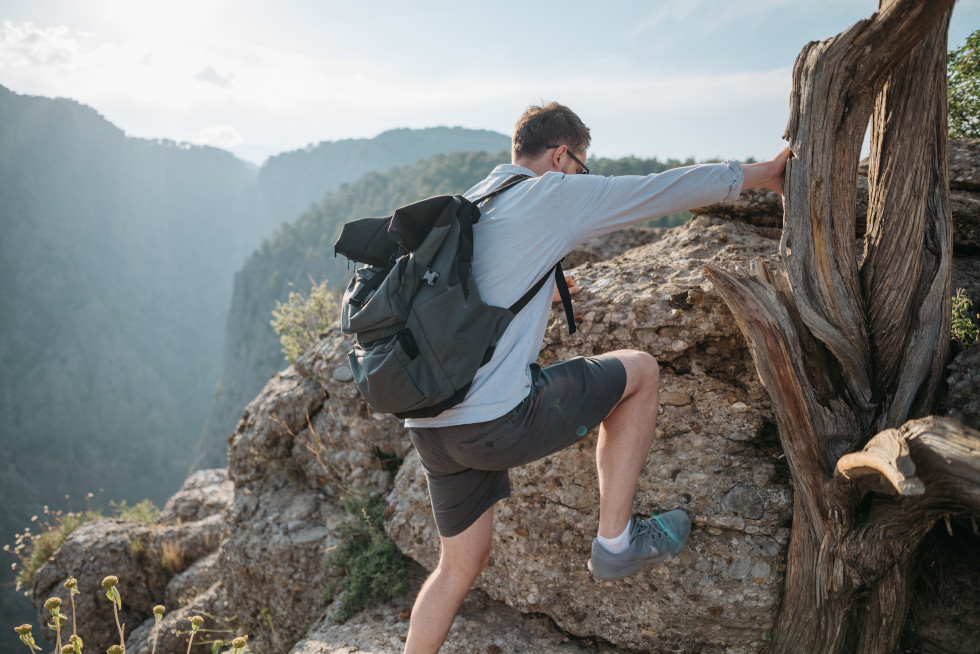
{"x": 527, "y": 229}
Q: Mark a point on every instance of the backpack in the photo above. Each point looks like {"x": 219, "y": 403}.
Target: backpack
{"x": 422, "y": 330}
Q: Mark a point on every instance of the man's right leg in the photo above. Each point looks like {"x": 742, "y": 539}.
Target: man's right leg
{"x": 461, "y": 560}
{"x": 625, "y": 437}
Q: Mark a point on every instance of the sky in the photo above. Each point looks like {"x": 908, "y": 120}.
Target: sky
{"x": 651, "y": 78}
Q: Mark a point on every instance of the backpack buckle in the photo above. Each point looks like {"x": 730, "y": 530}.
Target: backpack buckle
{"x": 430, "y": 277}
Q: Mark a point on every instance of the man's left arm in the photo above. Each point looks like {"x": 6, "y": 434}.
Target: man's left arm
{"x": 767, "y": 174}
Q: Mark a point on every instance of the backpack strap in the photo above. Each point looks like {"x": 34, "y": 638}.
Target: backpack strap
{"x": 465, "y": 257}
{"x": 566, "y": 297}
{"x": 510, "y": 181}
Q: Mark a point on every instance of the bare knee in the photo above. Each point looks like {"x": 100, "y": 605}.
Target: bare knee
{"x": 642, "y": 371}
{"x": 464, "y": 567}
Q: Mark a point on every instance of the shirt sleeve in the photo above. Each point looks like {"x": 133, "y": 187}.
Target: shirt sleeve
{"x": 592, "y": 206}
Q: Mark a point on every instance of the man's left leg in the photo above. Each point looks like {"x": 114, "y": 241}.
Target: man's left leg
{"x": 461, "y": 560}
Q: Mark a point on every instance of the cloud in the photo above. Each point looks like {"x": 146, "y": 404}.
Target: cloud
{"x": 209, "y": 75}
{"x": 219, "y": 136}
{"x": 27, "y": 45}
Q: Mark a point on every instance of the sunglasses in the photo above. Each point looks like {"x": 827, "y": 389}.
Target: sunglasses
{"x": 585, "y": 169}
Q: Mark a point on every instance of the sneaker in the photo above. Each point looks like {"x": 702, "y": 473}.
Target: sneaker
{"x": 651, "y": 541}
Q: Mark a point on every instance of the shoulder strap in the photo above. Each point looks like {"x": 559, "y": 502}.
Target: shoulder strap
{"x": 465, "y": 258}
{"x": 509, "y": 182}
{"x": 566, "y": 297}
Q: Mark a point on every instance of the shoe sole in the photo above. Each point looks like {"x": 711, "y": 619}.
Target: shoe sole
{"x": 639, "y": 565}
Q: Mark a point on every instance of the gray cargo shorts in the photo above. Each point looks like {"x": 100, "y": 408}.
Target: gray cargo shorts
{"x": 466, "y": 465}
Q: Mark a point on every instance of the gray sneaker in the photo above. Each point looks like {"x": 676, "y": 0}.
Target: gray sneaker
{"x": 651, "y": 541}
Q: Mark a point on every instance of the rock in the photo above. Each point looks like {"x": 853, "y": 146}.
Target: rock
{"x": 302, "y": 445}
{"x": 755, "y": 206}
{"x": 964, "y": 387}
{"x": 964, "y": 164}
{"x": 716, "y": 439}
{"x": 189, "y": 584}
{"x": 611, "y": 245}
{"x": 143, "y": 556}
{"x": 173, "y": 632}
{"x": 203, "y": 494}
{"x": 140, "y": 555}
{"x": 482, "y": 625}
{"x": 966, "y": 275}
{"x": 943, "y": 618}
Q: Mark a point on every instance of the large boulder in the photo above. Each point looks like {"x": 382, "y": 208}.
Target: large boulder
{"x": 302, "y": 445}
{"x": 716, "y": 456}
{"x": 146, "y": 558}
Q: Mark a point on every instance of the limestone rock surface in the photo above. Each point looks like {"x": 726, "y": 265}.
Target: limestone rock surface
{"x": 964, "y": 164}
{"x": 303, "y": 443}
{"x": 715, "y": 456}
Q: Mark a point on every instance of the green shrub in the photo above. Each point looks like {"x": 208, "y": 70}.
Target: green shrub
{"x": 963, "y": 89}
{"x": 964, "y": 329}
{"x": 300, "y": 321}
{"x": 145, "y": 511}
{"x": 372, "y": 567}
{"x": 38, "y": 543}
{"x": 34, "y": 548}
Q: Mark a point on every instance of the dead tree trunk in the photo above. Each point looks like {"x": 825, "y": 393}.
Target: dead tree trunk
{"x": 852, "y": 341}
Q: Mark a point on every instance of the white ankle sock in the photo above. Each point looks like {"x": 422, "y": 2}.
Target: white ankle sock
{"x": 618, "y": 544}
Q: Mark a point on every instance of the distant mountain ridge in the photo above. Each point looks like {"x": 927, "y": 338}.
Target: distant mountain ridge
{"x": 117, "y": 263}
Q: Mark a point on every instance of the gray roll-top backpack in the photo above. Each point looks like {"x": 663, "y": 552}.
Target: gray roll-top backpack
{"x": 421, "y": 328}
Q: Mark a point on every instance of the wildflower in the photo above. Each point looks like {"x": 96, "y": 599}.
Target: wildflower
{"x": 23, "y": 630}
{"x": 53, "y": 604}
{"x": 68, "y": 649}
{"x": 239, "y": 643}
{"x": 196, "y": 622}
{"x": 110, "y": 581}
{"x": 115, "y": 649}
{"x": 71, "y": 584}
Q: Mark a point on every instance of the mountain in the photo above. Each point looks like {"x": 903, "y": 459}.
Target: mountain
{"x": 117, "y": 263}
{"x": 301, "y": 251}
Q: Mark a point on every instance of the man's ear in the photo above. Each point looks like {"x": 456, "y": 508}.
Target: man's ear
{"x": 556, "y": 155}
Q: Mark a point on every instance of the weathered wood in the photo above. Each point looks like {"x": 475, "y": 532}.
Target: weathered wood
{"x": 887, "y": 454}
{"x": 852, "y": 343}
{"x": 906, "y": 274}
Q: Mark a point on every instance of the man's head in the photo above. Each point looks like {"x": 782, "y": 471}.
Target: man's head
{"x": 541, "y": 128}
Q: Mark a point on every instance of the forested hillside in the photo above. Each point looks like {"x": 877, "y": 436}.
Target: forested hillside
{"x": 302, "y": 250}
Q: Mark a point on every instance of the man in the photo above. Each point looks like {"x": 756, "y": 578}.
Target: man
{"x": 517, "y": 412}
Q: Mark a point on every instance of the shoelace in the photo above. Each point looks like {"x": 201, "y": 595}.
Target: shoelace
{"x": 654, "y": 528}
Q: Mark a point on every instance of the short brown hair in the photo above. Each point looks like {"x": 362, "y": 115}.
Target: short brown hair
{"x": 550, "y": 124}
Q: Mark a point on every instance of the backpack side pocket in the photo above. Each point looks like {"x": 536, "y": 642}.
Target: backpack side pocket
{"x": 391, "y": 375}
